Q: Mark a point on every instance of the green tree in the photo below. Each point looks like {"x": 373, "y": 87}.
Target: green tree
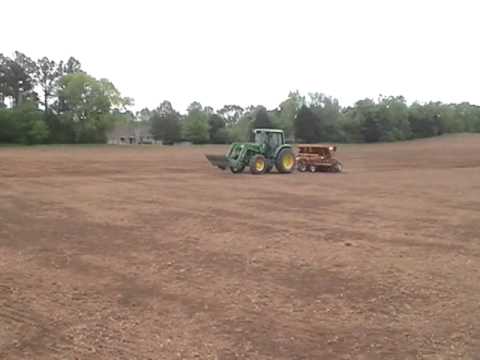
{"x": 241, "y": 131}
{"x": 217, "y": 130}
{"x": 144, "y": 115}
{"x": 231, "y": 114}
{"x": 371, "y": 129}
{"x": 195, "y": 107}
{"x": 392, "y": 113}
{"x": 165, "y": 123}
{"x": 9, "y": 127}
{"x": 305, "y": 124}
{"x": 328, "y": 111}
{"x": 470, "y": 116}
{"x": 37, "y": 132}
{"x": 17, "y": 78}
{"x": 425, "y": 120}
{"x": 370, "y": 125}
{"x": 285, "y": 115}
{"x": 86, "y": 103}
{"x": 48, "y": 73}
{"x": 23, "y": 124}
{"x": 196, "y": 128}
{"x": 72, "y": 66}
{"x": 259, "y": 119}
{"x": 61, "y": 130}
{"x": 351, "y": 126}
{"x": 262, "y": 119}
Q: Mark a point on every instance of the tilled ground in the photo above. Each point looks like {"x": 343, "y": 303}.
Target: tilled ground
{"x": 150, "y": 253}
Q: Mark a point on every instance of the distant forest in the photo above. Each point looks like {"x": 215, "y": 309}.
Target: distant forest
{"x": 47, "y": 102}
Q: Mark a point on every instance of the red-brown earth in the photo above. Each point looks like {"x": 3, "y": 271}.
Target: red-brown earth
{"x": 148, "y": 252}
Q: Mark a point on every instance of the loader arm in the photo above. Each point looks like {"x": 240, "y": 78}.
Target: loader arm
{"x": 238, "y": 156}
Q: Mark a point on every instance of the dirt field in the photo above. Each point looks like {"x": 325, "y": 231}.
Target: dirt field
{"x": 150, "y": 253}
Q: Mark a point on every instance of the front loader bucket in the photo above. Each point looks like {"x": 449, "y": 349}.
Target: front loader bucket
{"x": 220, "y": 161}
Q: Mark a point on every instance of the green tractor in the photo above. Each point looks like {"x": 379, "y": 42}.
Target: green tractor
{"x": 269, "y": 150}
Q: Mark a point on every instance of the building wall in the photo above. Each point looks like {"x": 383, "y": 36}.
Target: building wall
{"x": 122, "y": 135}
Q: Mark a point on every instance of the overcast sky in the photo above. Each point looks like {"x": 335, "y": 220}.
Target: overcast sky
{"x": 253, "y": 52}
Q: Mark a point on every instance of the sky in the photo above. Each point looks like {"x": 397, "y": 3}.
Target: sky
{"x": 251, "y": 52}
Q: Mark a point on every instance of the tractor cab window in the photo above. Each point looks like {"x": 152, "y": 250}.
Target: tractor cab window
{"x": 271, "y": 139}
{"x": 260, "y": 137}
{"x": 275, "y": 139}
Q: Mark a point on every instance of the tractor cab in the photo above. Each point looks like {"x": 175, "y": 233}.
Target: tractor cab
{"x": 272, "y": 139}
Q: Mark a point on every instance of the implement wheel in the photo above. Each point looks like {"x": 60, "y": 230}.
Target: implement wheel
{"x": 285, "y": 161}
{"x": 302, "y": 165}
{"x": 258, "y": 165}
{"x": 338, "y": 167}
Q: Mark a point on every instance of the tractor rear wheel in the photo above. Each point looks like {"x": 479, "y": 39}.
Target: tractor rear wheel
{"x": 258, "y": 164}
{"x": 285, "y": 161}
{"x": 302, "y": 165}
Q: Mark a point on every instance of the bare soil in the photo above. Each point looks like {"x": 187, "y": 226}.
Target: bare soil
{"x": 126, "y": 252}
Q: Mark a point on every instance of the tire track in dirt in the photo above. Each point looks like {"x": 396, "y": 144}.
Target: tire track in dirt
{"x": 96, "y": 336}
{"x": 37, "y": 334}
{"x": 109, "y": 342}
{"x": 11, "y": 315}
{"x": 49, "y": 338}
{"x": 336, "y": 230}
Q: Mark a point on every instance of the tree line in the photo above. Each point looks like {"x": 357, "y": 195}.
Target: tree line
{"x": 315, "y": 118}
{"x": 43, "y": 101}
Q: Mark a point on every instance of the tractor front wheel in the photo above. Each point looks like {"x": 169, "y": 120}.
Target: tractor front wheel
{"x": 237, "y": 170}
{"x": 258, "y": 165}
{"x": 285, "y": 161}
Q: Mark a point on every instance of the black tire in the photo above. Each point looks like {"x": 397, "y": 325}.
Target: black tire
{"x": 258, "y": 164}
{"x": 338, "y": 167}
{"x": 285, "y": 161}
{"x": 237, "y": 170}
{"x": 301, "y": 165}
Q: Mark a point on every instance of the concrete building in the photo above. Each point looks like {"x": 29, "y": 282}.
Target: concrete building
{"x": 131, "y": 134}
